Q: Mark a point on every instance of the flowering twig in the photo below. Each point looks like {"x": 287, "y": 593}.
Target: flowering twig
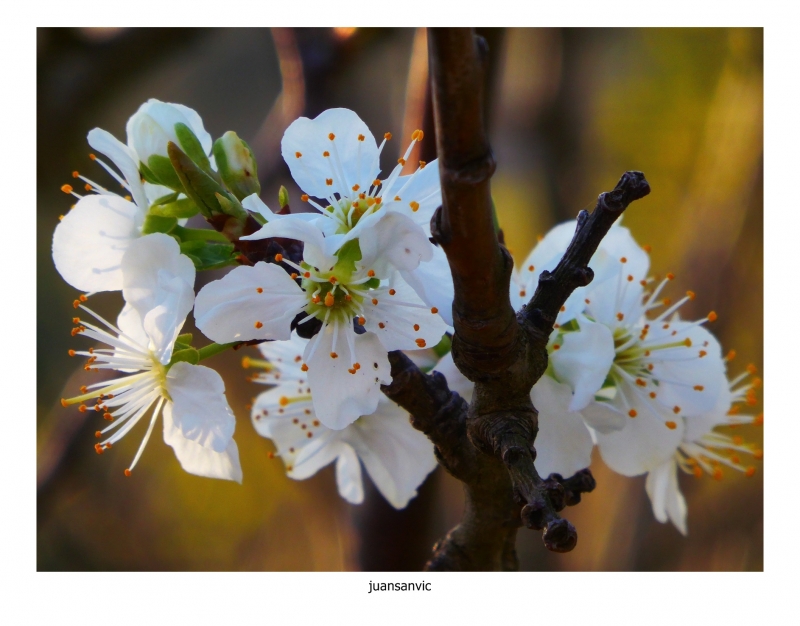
{"x": 489, "y": 446}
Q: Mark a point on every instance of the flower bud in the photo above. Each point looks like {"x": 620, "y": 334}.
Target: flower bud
{"x": 156, "y": 124}
{"x": 236, "y": 165}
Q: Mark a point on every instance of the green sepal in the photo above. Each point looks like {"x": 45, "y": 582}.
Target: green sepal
{"x": 348, "y": 255}
{"x": 231, "y": 206}
{"x": 185, "y": 338}
{"x": 198, "y": 234}
{"x": 198, "y": 185}
{"x": 495, "y": 221}
{"x": 158, "y": 224}
{"x": 148, "y": 175}
{"x": 373, "y": 283}
{"x": 444, "y": 346}
{"x": 164, "y": 172}
{"x": 170, "y": 197}
{"x": 185, "y": 207}
{"x": 191, "y": 145}
{"x": 209, "y": 255}
{"x": 190, "y": 355}
{"x": 283, "y": 197}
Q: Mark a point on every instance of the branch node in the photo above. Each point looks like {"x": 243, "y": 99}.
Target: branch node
{"x": 560, "y": 536}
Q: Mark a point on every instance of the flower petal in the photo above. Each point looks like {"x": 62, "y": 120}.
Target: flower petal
{"x": 583, "y": 360}
{"x": 199, "y": 407}
{"x": 318, "y": 250}
{"x": 420, "y": 195}
{"x": 88, "y": 244}
{"x": 665, "y": 495}
{"x": 310, "y": 139}
{"x": 398, "y": 458}
{"x": 563, "y": 445}
{"x": 340, "y": 397}
{"x": 158, "y": 281}
{"x": 231, "y": 308}
{"x": 433, "y": 283}
{"x": 348, "y": 476}
{"x": 125, "y": 159}
{"x": 401, "y": 327}
{"x": 645, "y": 441}
{"x": 153, "y": 125}
{"x": 199, "y": 460}
{"x": 397, "y": 240}
{"x": 603, "y": 417}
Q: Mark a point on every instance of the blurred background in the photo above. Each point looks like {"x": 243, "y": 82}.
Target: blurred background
{"x": 569, "y": 110}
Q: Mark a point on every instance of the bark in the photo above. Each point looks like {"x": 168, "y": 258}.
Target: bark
{"x": 489, "y": 445}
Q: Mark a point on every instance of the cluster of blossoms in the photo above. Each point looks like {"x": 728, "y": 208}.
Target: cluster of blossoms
{"x": 626, "y": 374}
{"x": 366, "y": 283}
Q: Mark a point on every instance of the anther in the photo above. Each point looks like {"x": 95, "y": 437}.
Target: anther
{"x": 82, "y": 408}
{"x": 356, "y": 187}
{"x": 374, "y": 301}
{"x": 401, "y": 161}
{"x": 304, "y": 367}
{"x": 641, "y": 383}
{"x": 71, "y": 353}
{"x": 414, "y": 206}
{"x": 676, "y": 409}
{"x": 259, "y": 290}
{"x": 397, "y": 198}
{"x": 434, "y": 310}
{"x": 293, "y": 275}
{"x": 361, "y": 137}
{"x": 333, "y": 280}
{"x": 331, "y": 136}
{"x": 666, "y": 302}
{"x": 329, "y": 181}
{"x": 699, "y": 387}
{"x": 329, "y": 299}
{"x": 298, "y": 154}
{"x": 64, "y": 403}
{"x": 278, "y": 258}
{"x": 702, "y": 353}
{"x": 670, "y": 276}
{"x": 630, "y": 278}
{"x": 371, "y": 273}
{"x": 632, "y": 413}
{"x": 92, "y": 157}
{"x": 326, "y": 154}
{"x": 750, "y": 471}
{"x": 731, "y": 355}
{"x": 620, "y": 316}
{"x": 61, "y": 218}
{"x": 310, "y": 434}
{"x": 647, "y": 248}
{"x": 690, "y": 295}
{"x": 381, "y": 325}
{"x": 258, "y": 325}
{"x": 127, "y": 473}
{"x": 556, "y": 346}
{"x": 653, "y": 395}
{"x": 420, "y": 342}
{"x": 671, "y": 425}
{"x": 304, "y": 197}
{"x": 334, "y": 355}
{"x": 98, "y": 434}
{"x": 108, "y": 417}
{"x": 712, "y": 317}
{"x": 66, "y": 188}
{"x": 752, "y": 369}
{"x": 623, "y": 260}
{"x": 422, "y": 165}
{"x": 387, "y": 136}
{"x": 376, "y": 183}
{"x": 416, "y": 327}
{"x": 362, "y": 320}
{"x": 283, "y": 401}
{"x": 87, "y": 187}
{"x": 392, "y": 292}
{"x": 687, "y": 342}
{"x": 98, "y": 448}
{"x": 698, "y": 472}
{"x": 307, "y": 274}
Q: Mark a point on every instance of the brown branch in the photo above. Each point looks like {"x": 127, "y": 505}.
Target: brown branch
{"x": 490, "y": 445}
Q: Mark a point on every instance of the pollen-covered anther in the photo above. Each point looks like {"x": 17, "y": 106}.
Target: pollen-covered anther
{"x": 620, "y": 316}
{"x": 376, "y": 183}
{"x": 356, "y": 187}
{"x": 71, "y": 353}
{"x": 98, "y": 434}
{"x": 420, "y": 342}
{"x": 671, "y": 425}
{"x": 333, "y": 280}
{"x": 397, "y": 198}
{"x": 676, "y": 409}
{"x": 712, "y": 316}
{"x": 329, "y": 299}
{"x": 690, "y": 295}
{"x": 387, "y": 136}
{"x": 331, "y": 136}
{"x": 304, "y": 367}
{"x": 82, "y": 408}
{"x": 392, "y": 292}
{"x": 108, "y": 417}
{"x": 632, "y": 413}
{"x": 641, "y": 382}
{"x": 670, "y": 276}
{"x": 630, "y": 278}
{"x": 304, "y": 197}
{"x": 278, "y": 258}
{"x": 306, "y": 274}
{"x": 401, "y": 161}
{"x": 414, "y": 206}
{"x": 348, "y": 298}
{"x": 702, "y": 353}
{"x": 653, "y": 395}
{"x": 298, "y": 154}
{"x": 98, "y": 448}
{"x": 666, "y": 302}
{"x": 258, "y": 325}
{"x": 756, "y": 384}
{"x": 361, "y": 137}
{"x": 434, "y": 310}
{"x": 371, "y": 273}
{"x": 416, "y": 327}
{"x": 259, "y": 290}
{"x": 687, "y": 342}
{"x": 362, "y": 320}
{"x": 623, "y": 260}
{"x": 326, "y": 154}
{"x": 66, "y": 188}
{"x": 647, "y": 248}
{"x": 329, "y": 181}
{"x": 375, "y": 301}
{"x": 381, "y": 325}
{"x": 334, "y": 355}
{"x": 127, "y": 473}
{"x": 698, "y": 472}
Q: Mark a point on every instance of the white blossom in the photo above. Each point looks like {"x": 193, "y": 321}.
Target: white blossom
{"x": 198, "y": 423}
{"x": 396, "y": 456}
